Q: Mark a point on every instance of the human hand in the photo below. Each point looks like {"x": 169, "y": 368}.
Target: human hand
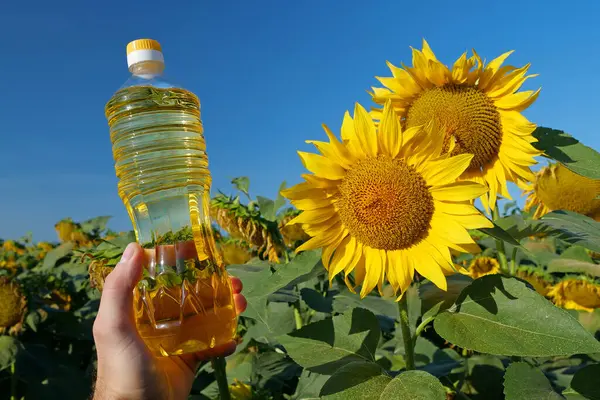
{"x": 126, "y": 368}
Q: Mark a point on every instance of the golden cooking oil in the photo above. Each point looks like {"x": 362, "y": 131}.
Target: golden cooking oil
{"x": 184, "y": 301}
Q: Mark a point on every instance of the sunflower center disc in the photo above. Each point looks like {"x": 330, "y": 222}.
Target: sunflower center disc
{"x": 385, "y": 204}
{"x": 468, "y": 116}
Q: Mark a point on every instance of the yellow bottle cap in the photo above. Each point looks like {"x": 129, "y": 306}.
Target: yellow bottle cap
{"x": 144, "y": 50}
{"x": 143, "y": 44}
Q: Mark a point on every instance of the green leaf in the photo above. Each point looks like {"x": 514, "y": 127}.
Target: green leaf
{"x": 589, "y": 320}
{"x": 34, "y": 318}
{"x": 585, "y": 382}
{"x": 500, "y": 234}
{"x": 576, "y": 253}
{"x": 56, "y": 254}
{"x": 435, "y": 300}
{"x": 274, "y": 370}
{"x": 567, "y": 150}
{"x": 568, "y": 266}
{"x": 571, "y": 227}
{"x": 309, "y": 386}
{"x": 266, "y": 207}
{"x": 278, "y": 320}
{"x": 9, "y": 349}
{"x": 523, "y": 381}
{"x": 280, "y": 200}
{"x": 500, "y": 315}
{"x": 259, "y": 285}
{"x": 326, "y": 345}
{"x": 484, "y": 376}
{"x": 95, "y": 225}
{"x": 242, "y": 183}
{"x": 377, "y": 305}
{"x": 316, "y": 300}
{"x": 414, "y": 385}
{"x": 367, "y": 381}
{"x": 301, "y": 265}
{"x": 444, "y": 362}
{"x": 357, "y": 380}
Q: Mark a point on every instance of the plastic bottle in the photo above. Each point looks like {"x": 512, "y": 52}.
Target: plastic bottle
{"x": 184, "y": 301}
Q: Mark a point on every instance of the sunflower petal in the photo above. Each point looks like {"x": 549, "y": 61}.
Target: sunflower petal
{"x": 390, "y": 136}
{"x": 313, "y": 216}
{"x": 518, "y": 101}
{"x": 374, "y": 267}
{"x": 365, "y": 130}
{"x": 445, "y": 171}
{"x": 302, "y": 191}
{"x": 322, "y": 166}
{"x": 427, "y": 266}
{"x": 309, "y": 203}
{"x": 458, "y": 191}
{"x": 323, "y": 239}
{"x": 342, "y": 257}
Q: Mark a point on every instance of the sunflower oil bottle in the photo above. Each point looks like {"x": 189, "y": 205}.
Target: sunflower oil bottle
{"x": 184, "y": 302}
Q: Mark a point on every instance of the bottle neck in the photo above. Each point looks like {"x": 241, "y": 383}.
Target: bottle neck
{"x": 147, "y": 69}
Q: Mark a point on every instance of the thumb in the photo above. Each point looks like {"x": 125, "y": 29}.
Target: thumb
{"x": 116, "y": 303}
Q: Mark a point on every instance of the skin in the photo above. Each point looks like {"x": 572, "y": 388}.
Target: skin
{"x": 126, "y": 369}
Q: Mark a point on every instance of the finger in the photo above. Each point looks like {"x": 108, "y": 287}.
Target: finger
{"x": 240, "y": 303}
{"x": 116, "y": 303}
{"x": 236, "y": 284}
{"x": 193, "y": 359}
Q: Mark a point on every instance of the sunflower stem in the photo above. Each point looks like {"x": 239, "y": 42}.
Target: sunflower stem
{"x": 421, "y": 327}
{"x": 13, "y": 382}
{"x": 409, "y": 348}
{"x": 500, "y": 244}
{"x": 297, "y": 315}
{"x": 219, "y": 366}
{"x": 513, "y": 261}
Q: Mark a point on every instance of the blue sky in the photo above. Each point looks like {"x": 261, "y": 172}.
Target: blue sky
{"x": 268, "y": 73}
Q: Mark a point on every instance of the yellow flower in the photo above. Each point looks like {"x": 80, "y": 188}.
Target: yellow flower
{"x": 98, "y": 271}
{"x": 479, "y": 108}
{"x": 10, "y": 265}
{"x": 240, "y": 390}
{"x": 59, "y": 300}
{"x": 576, "y": 294}
{"x": 44, "y": 248}
{"x": 292, "y": 233}
{"x": 481, "y": 266}
{"x": 64, "y": 229}
{"x": 245, "y": 224}
{"x": 10, "y": 245}
{"x": 13, "y": 307}
{"x": 234, "y": 253}
{"x": 541, "y": 285}
{"x": 384, "y": 202}
{"x": 557, "y": 188}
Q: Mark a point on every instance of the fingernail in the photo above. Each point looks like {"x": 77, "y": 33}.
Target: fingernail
{"x": 128, "y": 252}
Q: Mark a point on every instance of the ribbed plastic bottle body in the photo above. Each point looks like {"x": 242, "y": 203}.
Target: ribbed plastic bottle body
{"x": 184, "y": 301}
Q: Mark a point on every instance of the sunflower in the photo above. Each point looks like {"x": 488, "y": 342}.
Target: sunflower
{"x": 240, "y": 390}
{"x": 43, "y": 249}
{"x": 99, "y": 270}
{"x": 244, "y": 223}
{"x": 478, "y": 107}
{"x": 540, "y": 282}
{"x": 576, "y": 294}
{"x": 384, "y": 202}
{"x": 13, "y": 306}
{"x": 293, "y": 234}
{"x": 481, "y": 266}
{"x": 557, "y": 188}
{"x": 234, "y": 252}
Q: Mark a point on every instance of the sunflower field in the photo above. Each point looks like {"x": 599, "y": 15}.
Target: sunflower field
{"x": 399, "y": 268}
